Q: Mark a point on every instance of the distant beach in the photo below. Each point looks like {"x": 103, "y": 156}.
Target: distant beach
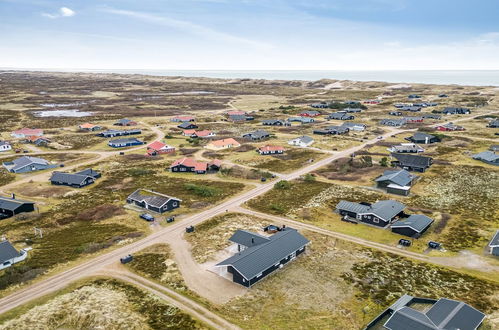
{"x": 441, "y": 77}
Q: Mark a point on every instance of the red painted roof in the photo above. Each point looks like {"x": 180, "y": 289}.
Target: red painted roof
{"x": 235, "y": 112}
{"x": 203, "y": 132}
{"x": 156, "y": 145}
{"x": 29, "y": 131}
{"x": 186, "y": 118}
{"x": 225, "y": 142}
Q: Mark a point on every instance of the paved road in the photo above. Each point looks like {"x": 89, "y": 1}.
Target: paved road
{"x": 60, "y": 280}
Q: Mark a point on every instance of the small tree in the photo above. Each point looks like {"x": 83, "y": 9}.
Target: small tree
{"x": 384, "y": 162}
{"x": 283, "y": 184}
{"x": 308, "y": 178}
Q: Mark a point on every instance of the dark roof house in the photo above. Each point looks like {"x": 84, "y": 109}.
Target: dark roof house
{"x": 413, "y": 226}
{"x": 9, "y": 255}
{"x": 10, "y": 206}
{"x": 489, "y": 157}
{"x": 494, "y": 244}
{"x": 340, "y": 116}
{"x": 424, "y": 138}
{"x": 121, "y": 143}
{"x": 187, "y": 125}
{"x": 456, "y": 111}
{"x": 380, "y": 214}
{"x": 412, "y": 162}
{"x": 259, "y": 134}
{"x": 259, "y": 256}
{"x": 397, "y": 182}
{"x": 26, "y": 164}
{"x": 71, "y": 179}
{"x": 153, "y": 201}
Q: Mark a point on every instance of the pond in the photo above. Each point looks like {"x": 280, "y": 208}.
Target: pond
{"x": 62, "y": 113}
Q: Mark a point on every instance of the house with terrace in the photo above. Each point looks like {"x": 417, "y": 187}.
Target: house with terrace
{"x": 240, "y": 118}
{"x": 187, "y": 125}
{"x": 354, "y": 126}
{"x": 223, "y": 144}
{"x": 123, "y": 143}
{"x": 310, "y": 113}
{"x": 181, "y": 119}
{"x": 413, "y": 313}
{"x": 302, "y": 141}
{"x": 406, "y": 148}
{"x": 75, "y": 180}
{"x": 186, "y": 165}
{"x": 89, "y": 127}
{"x": 27, "y": 164}
{"x": 5, "y": 146}
{"x": 431, "y": 116}
{"x": 411, "y": 162}
{"x": 340, "y": 116}
{"x": 488, "y": 157}
{"x": 450, "y": 127}
{"x": 159, "y": 148}
{"x": 257, "y": 135}
{"x": 39, "y": 141}
{"x": 398, "y": 182}
{"x": 25, "y": 132}
{"x": 113, "y": 133}
{"x": 303, "y": 120}
{"x": 392, "y": 122}
{"x": 380, "y": 214}
{"x": 423, "y": 138}
{"x": 10, "y": 206}
{"x": 153, "y": 201}
{"x": 332, "y": 130}
{"x": 456, "y": 111}
{"x": 275, "y": 122}
{"x": 413, "y": 226}
{"x": 125, "y": 122}
{"x": 259, "y": 256}
{"x": 271, "y": 150}
{"x": 9, "y": 255}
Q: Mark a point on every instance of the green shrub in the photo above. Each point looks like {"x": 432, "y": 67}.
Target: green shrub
{"x": 283, "y": 184}
{"x": 200, "y": 190}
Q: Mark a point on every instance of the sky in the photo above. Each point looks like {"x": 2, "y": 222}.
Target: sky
{"x": 250, "y": 34}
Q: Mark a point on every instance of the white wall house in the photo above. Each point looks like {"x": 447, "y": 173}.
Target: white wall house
{"x": 302, "y": 141}
{"x": 9, "y": 255}
{"x": 5, "y": 146}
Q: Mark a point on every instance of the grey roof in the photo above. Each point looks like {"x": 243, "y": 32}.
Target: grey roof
{"x": 399, "y": 177}
{"x": 186, "y": 124}
{"x": 420, "y": 136}
{"x": 7, "y": 251}
{"x": 456, "y": 110}
{"x": 494, "y": 147}
{"x": 272, "y": 121}
{"x": 413, "y": 160}
{"x": 350, "y": 124}
{"x": 337, "y": 129}
{"x": 124, "y": 121}
{"x": 386, "y": 209}
{"x": 237, "y": 117}
{"x": 305, "y": 139}
{"x": 6, "y": 143}
{"x": 151, "y": 198}
{"x": 311, "y": 112}
{"x": 8, "y": 203}
{"x": 89, "y": 172}
{"x": 69, "y": 178}
{"x": 247, "y": 238}
{"x": 407, "y": 318}
{"x": 431, "y": 115}
{"x": 258, "y": 134}
{"x": 406, "y": 147}
{"x": 25, "y": 161}
{"x": 488, "y": 156}
{"x": 254, "y": 260}
{"x": 495, "y": 240}
{"x": 394, "y": 122}
{"x": 417, "y": 222}
{"x": 339, "y": 115}
{"x": 452, "y": 314}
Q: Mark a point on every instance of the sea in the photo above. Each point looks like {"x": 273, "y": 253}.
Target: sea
{"x": 457, "y": 77}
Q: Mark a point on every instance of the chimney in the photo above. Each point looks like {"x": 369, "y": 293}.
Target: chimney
{"x": 13, "y": 196}
{"x": 252, "y": 240}
{"x": 283, "y": 227}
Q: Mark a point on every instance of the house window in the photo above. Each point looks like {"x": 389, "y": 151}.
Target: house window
{"x": 259, "y": 275}
{"x": 174, "y": 204}
{"x": 376, "y": 220}
{"x": 182, "y": 169}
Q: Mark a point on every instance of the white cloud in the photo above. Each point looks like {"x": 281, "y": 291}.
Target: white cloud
{"x": 62, "y": 12}
{"x": 188, "y": 27}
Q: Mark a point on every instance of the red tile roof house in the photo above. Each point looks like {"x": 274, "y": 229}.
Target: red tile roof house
{"x": 159, "y": 148}
{"x": 310, "y": 113}
{"x": 450, "y": 127}
{"x": 191, "y": 165}
{"x": 270, "y": 150}
{"x": 200, "y": 134}
{"x": 223, "y": 144}
{"x": 179, "y": 119}
{"x": 25, "y": 132}
{"x": 38, "y": 140}
{"x": 89, "y": 127}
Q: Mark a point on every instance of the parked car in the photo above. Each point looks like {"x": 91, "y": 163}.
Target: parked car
{"x": 433, "y": 245}
{"x": 189, "y": 229}
{"x": 404, "y": 242}
{"x": 263, "y": 179}
{"x": 146, "y": 217}
{"x": 170, "y": 219}
{"x": 126, "y": 259}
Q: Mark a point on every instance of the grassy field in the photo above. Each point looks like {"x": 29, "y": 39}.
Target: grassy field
{"x": 104, "y": 304}
{"x": 291, "y": 160}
